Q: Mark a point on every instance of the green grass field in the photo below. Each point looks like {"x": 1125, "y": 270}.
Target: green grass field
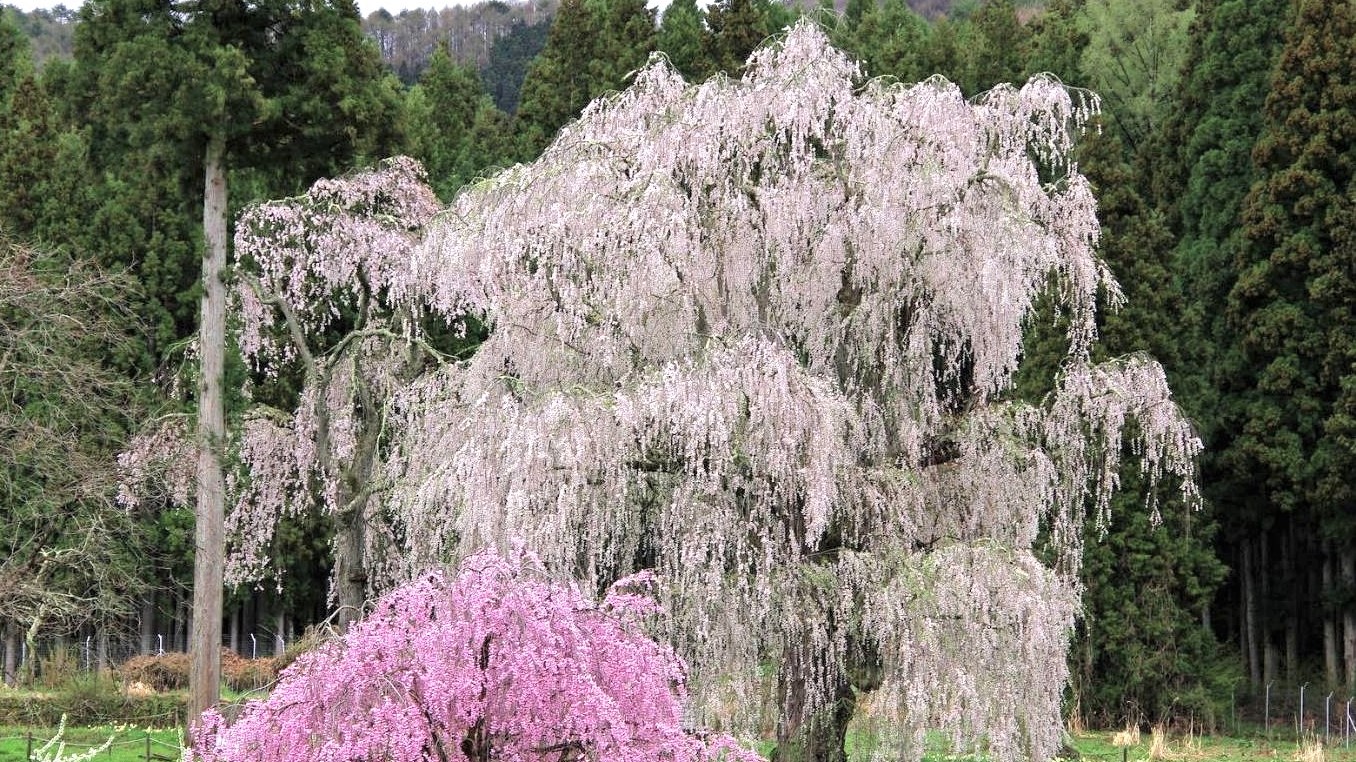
{"x": 1098, "y": 747}
{"x": 130, "y": 745}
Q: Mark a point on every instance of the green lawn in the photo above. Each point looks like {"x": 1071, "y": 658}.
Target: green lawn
{"x": 1098, "y": 747}
{"x": 129, "y": 744}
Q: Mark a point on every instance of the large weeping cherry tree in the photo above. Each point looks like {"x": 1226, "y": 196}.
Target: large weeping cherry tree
{"x": 759, "y": 336}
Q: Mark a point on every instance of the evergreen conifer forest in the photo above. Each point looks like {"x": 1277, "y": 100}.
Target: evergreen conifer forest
{"x": 970, "y": 366}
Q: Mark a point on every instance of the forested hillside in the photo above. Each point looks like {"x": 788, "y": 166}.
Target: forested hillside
{"x": 1222, "y": 161}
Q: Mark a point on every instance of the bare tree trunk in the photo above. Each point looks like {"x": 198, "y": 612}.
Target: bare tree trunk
{"x": 1250, "y": 627}
{"x": 147, "y": 624}
{"x": 11, "y": 673}
{"x": 209, "y": 542}
{"x": 235, "y": 629}
{"x": 1332, "y": 667}
{"x": 1348, "y": 562}
{"x": 1293, "y": 581}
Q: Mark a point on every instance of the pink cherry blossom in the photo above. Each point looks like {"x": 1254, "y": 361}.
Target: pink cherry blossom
{"x": 496, "y": 663}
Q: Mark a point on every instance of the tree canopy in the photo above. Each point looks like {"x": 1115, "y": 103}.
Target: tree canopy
{"x": 658, "y": 391}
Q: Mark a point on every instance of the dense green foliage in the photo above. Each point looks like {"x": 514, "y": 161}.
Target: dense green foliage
{"x": 592, "y": 46}
{"x": 68, "y": 553}
{"x": 452, "y": 126}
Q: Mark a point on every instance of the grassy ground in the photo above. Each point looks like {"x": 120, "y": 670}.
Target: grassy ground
{"x": 129, "y": 744}
{"x": 1100, "y": 747}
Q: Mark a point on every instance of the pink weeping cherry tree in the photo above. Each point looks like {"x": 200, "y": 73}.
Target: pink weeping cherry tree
{"x": 759, "y": 337}
{"x": 497, "y": 663}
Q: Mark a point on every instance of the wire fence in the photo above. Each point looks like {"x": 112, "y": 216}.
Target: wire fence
{"x": 153, "y": 749}
{"x": 1300, "y": 711}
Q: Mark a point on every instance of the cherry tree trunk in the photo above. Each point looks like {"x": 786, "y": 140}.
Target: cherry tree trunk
{"x": 209, "y": 543}
{"x": 350, "y": 571}
{"x": 350, "y": 578}
{"x": 819, "y": 737}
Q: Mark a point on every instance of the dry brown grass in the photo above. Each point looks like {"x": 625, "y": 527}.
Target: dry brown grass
{"x": 1310, "y": 750}
{"x": 1186, "y": 748}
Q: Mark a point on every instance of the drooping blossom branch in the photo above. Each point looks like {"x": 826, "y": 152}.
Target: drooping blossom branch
{"x": 760, "y": 336}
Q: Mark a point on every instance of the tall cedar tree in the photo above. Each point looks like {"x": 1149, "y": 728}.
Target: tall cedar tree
{"x": 43, "y": 165}
{"x": 1201, "y": 185}
{"x": 509, "y": 59}
{"x": 888, "y": 40}
{"x": 1057, "y": 41}
{"x": 1292, "y": 307}
{"x": 681, "y": 33}
{"x": 592, "y": 47}
{"x": 995, "y": 49}
{"x": 1148, "y": 582}
{"x": 200, "y": 89}
{"x": 734, "y": 28}
{"x": 1135, "y": 599}
{"x": 453, "y": 127}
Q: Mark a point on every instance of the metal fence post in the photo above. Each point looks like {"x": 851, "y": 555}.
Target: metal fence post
{"x": 1346, "y": 727}
{"x": 1299, "y": 718}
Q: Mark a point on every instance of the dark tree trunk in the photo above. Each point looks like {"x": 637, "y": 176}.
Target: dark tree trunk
{"x": 1332, "y": 666}
{"x": 1250, "y": 624}
{"x": 1271, "y": 657}
{"x": 1348, "y": 571}
{"x": 146, "y": 626}
{"x": 11, "y": 673}
{"x": 820, "y": 736}
{"x": 1292, "y": 580}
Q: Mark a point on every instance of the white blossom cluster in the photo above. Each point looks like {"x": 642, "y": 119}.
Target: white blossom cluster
{"x": 759, "y": 335}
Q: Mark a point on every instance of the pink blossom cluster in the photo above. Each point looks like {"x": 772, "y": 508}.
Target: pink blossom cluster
{"x": 495, "y": 663}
